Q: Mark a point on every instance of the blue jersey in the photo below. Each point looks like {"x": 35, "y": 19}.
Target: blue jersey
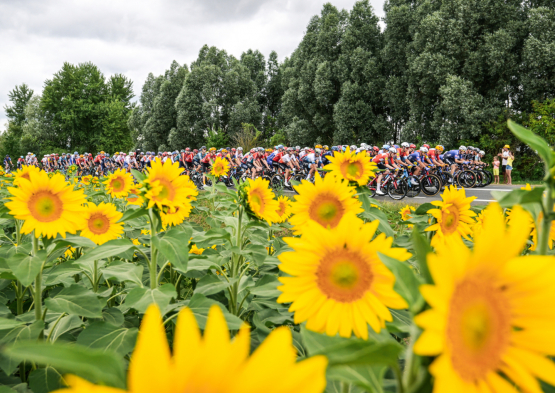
{"x": 415, "y": 157}
{"x": 452, "y": 154}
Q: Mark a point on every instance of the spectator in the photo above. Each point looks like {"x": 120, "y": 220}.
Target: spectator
{"x": 496, "y": 164}
{"x": 504, "y": 155}
{"x": 509, "y": 168}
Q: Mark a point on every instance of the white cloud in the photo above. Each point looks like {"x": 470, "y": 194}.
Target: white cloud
{"x": 141, "y": 36}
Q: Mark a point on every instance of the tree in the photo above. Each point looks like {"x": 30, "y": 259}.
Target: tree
{"x": 9, "y": 141}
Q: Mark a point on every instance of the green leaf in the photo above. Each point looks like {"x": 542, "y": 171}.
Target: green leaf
{"x": 113, "y": 316}
{"x": 351, "y": 351}
{"x": 64, "y": 325}
{"x": 76, "y": 241}
{"x": 200, "y": 306}
{"x": 421, "y": 250}
{"x": 138, "y": 175}
{"x": 368, "y": 378}
{"x": 44, "y": 380}
{"x": 141, "y": 298}
{"x": 173, "y": 245}
{"x": 375, "y": 214}
{"x": 124, "y": 271}
{"x": 534, "y": 141}
{"x": 402, "y": 321}
{"x": 257, "y": 252}
{"x": 6, "y": 323}
{"x": 76, "y": 300}
{"x": 102, "y": 335}
{"x": 406, "y": 283}
{"x": 26, "y": 267}
{"x": 267, "y": 287}
{"x": 15, "y": 335}
{"x": 95, "y": 365}
{"x": 211, "y": 284}
{"x": 131, "y": 213}
{"x": 423, "y": 209}
{"x": 108, "y": 249}
{"x": 518, "y": 197}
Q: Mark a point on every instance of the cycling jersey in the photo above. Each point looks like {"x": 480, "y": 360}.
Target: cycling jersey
{"x": 452, "y": 154}
{"x": 415, "y": 157}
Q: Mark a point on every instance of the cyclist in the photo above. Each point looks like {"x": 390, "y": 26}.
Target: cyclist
{"x": 384, "y": 161}
{"x": 7, "y": 163}
{"x": 454, "y": 158}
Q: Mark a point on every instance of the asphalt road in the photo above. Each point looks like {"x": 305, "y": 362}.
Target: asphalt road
{"x": 483, "y": 195}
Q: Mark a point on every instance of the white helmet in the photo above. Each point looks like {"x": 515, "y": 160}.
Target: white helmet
{"x": 405, "y": 144}
{"x": 353, "y": 147}
{"x": 240, "y": 148}
{"x": 482, "y": 152}
{"x": 392, "y": 150}
{"x": 424, "y": 149}
{"x": 462, "y": 148}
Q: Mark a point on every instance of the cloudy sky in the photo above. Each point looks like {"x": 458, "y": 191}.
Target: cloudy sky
{"x": 141, "y": 36}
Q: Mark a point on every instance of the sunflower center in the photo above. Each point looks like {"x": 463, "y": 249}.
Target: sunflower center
{"x": 26, "y": 176}
{"x": 478, "y": 328}
{"x": 352, "y": 169}
{"x": 281, "y": 210}
{"x": 258, "y": 201}
{"x": 117, "y": 184}
{"x": 45, "y": 206}
{"x": 99, "y": 224}
{"x": 450, "y": 220}
{"x": 326, "y": 210}
{"x": 344, "y": 275}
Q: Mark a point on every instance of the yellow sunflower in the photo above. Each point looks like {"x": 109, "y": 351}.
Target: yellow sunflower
{"x": 261, "y": 200}
{"x": 175, "y": 216}
{"x": 531, "y": 227}
{"x": 49, "y": 206}
{"x": 166, "y": 186}
{"x": 351, "y": 166}
{"x": 284, "y": 210}
{"x": 195, "y": 250}
{"x": 24, "y": 173}
{"x": 489, "y": 323}
{"x": 220, "y": 167}
{"x": 406, "y": 214}
{"x": 453, "y": 215}
{"x": 70, "y": 252}
{"x": 119, "y": 183}
{"x": 86, "y": 180}
{"x": 102, "y": 223}
{"x": 136, "y": 199}
{"x": 325, "y": 202}
{"x": 190, "y": 366}
{"x": 339, "y": 283}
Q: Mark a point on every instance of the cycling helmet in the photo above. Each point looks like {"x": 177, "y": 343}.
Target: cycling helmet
{"x": 269, "y": 150}
{"x": 187, "y": 149}
{"x": 318, "y": 146}
{"x": 317, "y": 150}
{"x": 212, "y": 149}
{"x": 203, "y": 148}
{"x": 298, "y": 147}
{"x": 462, "y": 148}
{"x": 232, "y": 149}
{"x": 240, "y": 148}
{"x": 396, "y": 146}
{"x": 334, "y": 148}
{"x": 280, "y": 147}
{"x": 326, "y": 147}
{"x": 470, "y": 148}
{"x": 260, "y": 149}
{"x": 21, "y": 156}
{"x": 440, "y": 148}
{"x": 405, "y": 144}
{"x": 253, "y": 150}
{"x": 224, "y": 150}
{"x": 412, "y": 146}
{"x": 81, "y": 156}
{"x": 424, "y": 149}
{"x": 392, "y": 150}
{"x": 289, "y": 149}
{"x": 376, "y": 148}
{"x": 353, "y": 147}
{"x": 195, "y": 151}
{"x": 426, "y": 146}
{"x": 182, "y": 151}
{"x": 386, "y": 147}
{"x": 483, "y": 153}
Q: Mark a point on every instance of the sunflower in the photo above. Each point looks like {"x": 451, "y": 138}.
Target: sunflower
{"x": 70, "y": 252}
{"x": 325, "y": 202}
{"x": 49, "y": 206}
{"x": 531, "y": 227}
{"x": 261, "y": 200}
{"x": 488, "y": 321}
{"x": 86, "y": 180}
{"x": 453, "y": 215}
{"x": 136, "y": 199}
{"x": 24, "y": 173}
{"x": 195, "y": 250}
{"x": 175, "y": 216}
{"x": 284, "y": 210}
{"x": 339, "y": 283}
{"x": 195, "y": 357}
{"x": 166, "y": 187}
{"x": 478, "y": 226}
{"x": 102, "y": 223}
{"x": 72, "y": 169}
{"x": 119, "y": 183}
{"x": 220, "y": 167}
{"x": 351, "y": 166}
{"x": 406, "y": 214}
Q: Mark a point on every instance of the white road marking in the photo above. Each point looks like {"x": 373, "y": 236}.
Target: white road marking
{"x": 484, "y": 200}
{"x": 489, "y": 189}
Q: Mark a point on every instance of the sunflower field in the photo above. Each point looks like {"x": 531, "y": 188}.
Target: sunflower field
{"x": 109, "y": 285}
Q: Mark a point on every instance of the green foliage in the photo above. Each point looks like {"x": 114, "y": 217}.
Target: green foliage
{"x": 217, "y": 139}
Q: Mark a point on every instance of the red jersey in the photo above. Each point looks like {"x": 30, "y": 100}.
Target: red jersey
{"x": 382, "y": 159}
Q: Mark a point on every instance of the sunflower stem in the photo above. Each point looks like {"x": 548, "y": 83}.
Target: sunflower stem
{"x": 399, "y": 378}
{"x": 95, "y": 277}
{"x": 38, "y": 282}
{"x": 345, "y": 387}
{"x": 235, "y": 265}
{"x": 153, "y": 253}
{"x": 411, "y": 361}
{"x": 544, "y": 236}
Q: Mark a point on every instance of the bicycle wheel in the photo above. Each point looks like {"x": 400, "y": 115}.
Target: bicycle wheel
{"x": 276, "y": 182}
{"x": 372, "y": 187}
{"x": 489, "y": 177}
{"x": 431, "y": 184}
{"x": 414, "y": 187}
{"x": 397, "y": 189}
{"x": 480, "y": 180}
{"x": 466, "y": 179}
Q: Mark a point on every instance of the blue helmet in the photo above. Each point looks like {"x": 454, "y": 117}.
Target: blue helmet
{"x": 334, "y": 148}
{"x": 396, "y": 146}
{"x": 386, "y": 147}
